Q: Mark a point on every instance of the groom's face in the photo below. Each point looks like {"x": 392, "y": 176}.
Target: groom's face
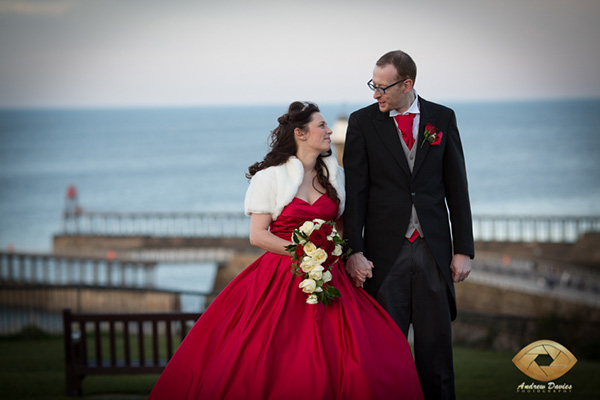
{"x": 394, "y": 97}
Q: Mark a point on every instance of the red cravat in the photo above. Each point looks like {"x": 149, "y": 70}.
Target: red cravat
{"x": 405, "y": 124}
{"x": 414, "y": 236}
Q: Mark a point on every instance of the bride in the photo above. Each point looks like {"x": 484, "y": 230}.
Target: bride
{"x": 260, "y": 339}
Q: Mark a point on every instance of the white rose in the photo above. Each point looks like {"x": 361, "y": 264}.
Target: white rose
{"x": 319, "y": 289}
{"x": 307, "y": 228}
{"x": 319, "y": 256}
{"x": 326, "y": 276}
{"x": 312, "y": 299}
{"x": 307, "y": 264}
{"x": 338, "y": 250}
{"x": 318, "y": 222}
{"x": 310, "y": 248}
{"x": 308, "y": 285}
{"x": 316, "y": 273}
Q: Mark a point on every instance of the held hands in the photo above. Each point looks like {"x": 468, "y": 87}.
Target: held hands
{"x": 359, "y": 269}
{"x": 461, "y": 267}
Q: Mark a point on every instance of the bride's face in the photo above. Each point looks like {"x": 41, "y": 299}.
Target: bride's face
{"x": 317, "y": 135}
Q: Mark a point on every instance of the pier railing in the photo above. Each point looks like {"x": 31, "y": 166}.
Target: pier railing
{"x": 532, "y": 228}
{"x": 501, "y": 228}
{"x": 182, "y": 224}
{"x": 57, "y": 269}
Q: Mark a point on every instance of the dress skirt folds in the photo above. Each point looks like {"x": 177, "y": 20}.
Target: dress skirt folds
{"x": 260, "y": 340}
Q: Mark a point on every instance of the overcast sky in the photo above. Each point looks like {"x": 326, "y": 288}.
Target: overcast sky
{"x": 87, "y": 53}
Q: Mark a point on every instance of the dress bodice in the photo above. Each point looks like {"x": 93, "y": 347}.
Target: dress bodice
{"x": 299, "y": 211}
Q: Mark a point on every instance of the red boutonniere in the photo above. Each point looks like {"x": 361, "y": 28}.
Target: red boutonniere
{"x": 434, "y": 138}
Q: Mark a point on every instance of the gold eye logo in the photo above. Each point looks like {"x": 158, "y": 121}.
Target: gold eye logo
{"x": 562, "y": 360}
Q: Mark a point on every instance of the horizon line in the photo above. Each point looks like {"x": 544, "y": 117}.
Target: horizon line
{"x": 4, "y": 108}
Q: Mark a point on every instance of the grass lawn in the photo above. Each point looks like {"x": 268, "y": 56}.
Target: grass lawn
{"x": 490, "y": 375}
{"x": 34, "y": 369}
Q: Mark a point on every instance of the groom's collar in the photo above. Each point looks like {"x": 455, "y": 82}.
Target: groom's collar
{"x": 413, "y": 109}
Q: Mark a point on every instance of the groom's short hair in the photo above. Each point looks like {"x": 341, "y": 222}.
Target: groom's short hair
{"x": 404, "y": 64}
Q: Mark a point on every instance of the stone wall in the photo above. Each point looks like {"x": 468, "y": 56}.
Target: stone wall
{"x": 502, "y": 319}
{"x": 95, "y": 243}
{"x": 480, "y": 298}
{"x": 89, "y": 300}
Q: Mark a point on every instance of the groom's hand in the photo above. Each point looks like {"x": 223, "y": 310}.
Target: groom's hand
{"x": 461, "y": 267}
{"x": 359, "y": 269}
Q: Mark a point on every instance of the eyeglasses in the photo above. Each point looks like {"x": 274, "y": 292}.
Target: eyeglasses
{"x": 382, "y": 89}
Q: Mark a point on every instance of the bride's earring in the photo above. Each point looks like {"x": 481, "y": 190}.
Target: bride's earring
{"x": 299, "y": 133}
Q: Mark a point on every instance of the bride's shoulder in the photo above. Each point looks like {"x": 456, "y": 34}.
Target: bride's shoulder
{"x": 288, "y": 173}
{"x": 262, "y": 179}
{"x": 336, "y": 172}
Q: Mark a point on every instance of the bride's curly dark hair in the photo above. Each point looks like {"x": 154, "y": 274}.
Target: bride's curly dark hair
{"x": 283, "y": 145}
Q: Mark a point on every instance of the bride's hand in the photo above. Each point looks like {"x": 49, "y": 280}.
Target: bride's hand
{"x": 359, "y": 269}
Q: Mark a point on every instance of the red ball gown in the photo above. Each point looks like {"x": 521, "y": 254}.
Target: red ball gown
{"x": 260, "y": 340}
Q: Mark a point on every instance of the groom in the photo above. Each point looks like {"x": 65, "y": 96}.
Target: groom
{"x": 405, "y": 170}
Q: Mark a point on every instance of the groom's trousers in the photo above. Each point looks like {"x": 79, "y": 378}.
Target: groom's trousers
{"x": 415, "y": 292}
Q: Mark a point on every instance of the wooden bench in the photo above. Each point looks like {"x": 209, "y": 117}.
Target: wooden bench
{"x": 116, "y": 343}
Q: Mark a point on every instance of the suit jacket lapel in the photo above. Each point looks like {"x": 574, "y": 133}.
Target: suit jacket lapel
{"x": 427, "y": 117}
{"x": 389, "y": 135}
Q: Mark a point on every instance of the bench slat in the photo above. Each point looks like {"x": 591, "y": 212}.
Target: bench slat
{"x": 169, "y": 340}
{"x": 112, "y": 345}
{"x": 142, "y": 356}
{"x": 126, "y": 342}
{"x": 98, "y": 338}
{"x": 83, "y": 356}
{"x": 155, "y": 342}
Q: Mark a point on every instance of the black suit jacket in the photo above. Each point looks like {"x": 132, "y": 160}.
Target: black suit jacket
{"x": 380, "y": 190}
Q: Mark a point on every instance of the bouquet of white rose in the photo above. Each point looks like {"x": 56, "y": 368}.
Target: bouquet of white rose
{"x": 317, "y": 246}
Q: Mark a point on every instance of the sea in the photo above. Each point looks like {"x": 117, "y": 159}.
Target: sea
{"x": 525, "y": 157}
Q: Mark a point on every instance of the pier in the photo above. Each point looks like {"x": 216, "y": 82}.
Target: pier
{"x": 540, "y": 255}
{"x": 525, "y": 267}
{"x": 487, "y": 228}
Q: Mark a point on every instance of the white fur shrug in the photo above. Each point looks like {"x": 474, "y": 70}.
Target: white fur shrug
{"x": 273, "y": 188}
